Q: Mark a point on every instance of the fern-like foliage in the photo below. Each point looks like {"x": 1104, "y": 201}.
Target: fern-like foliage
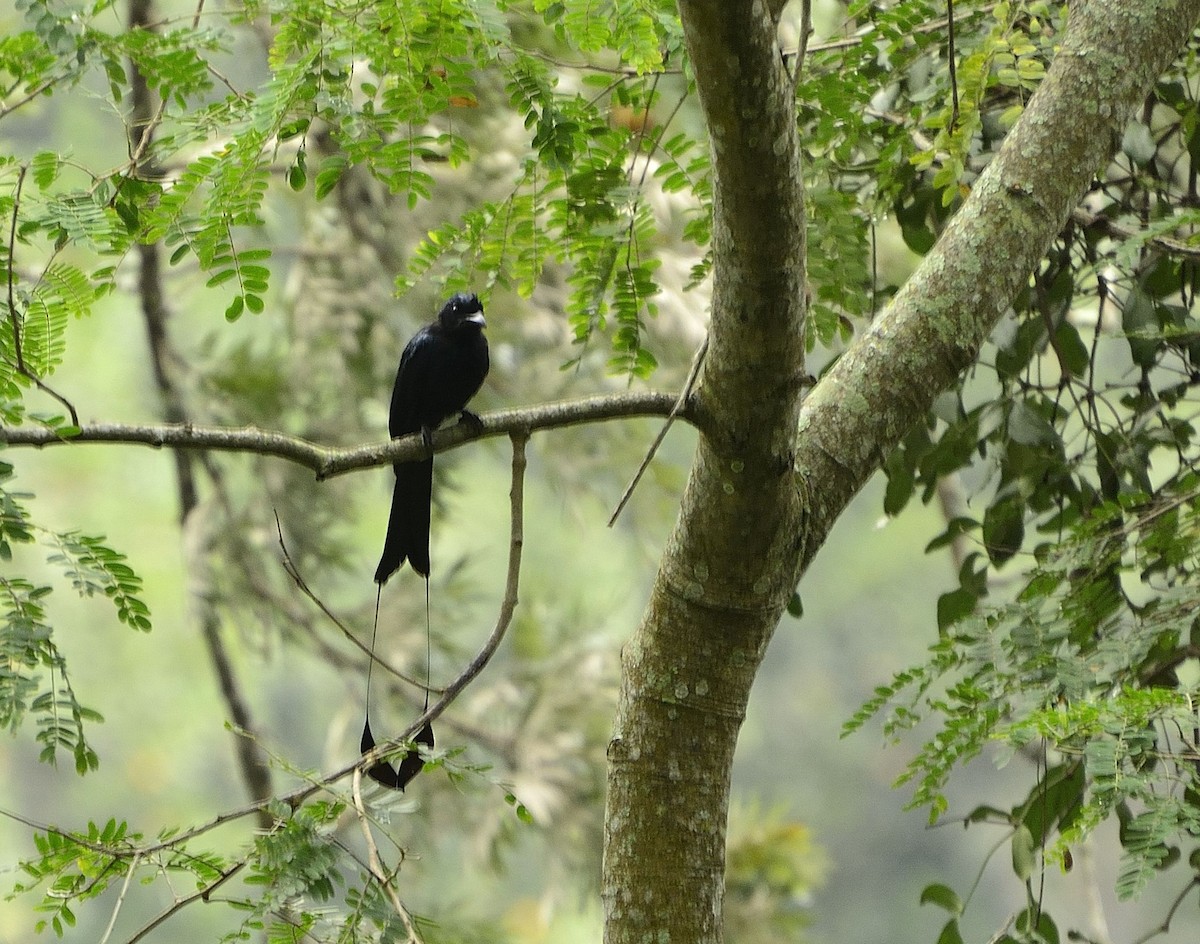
{"x": 33, "y": 674}
{"x": 297, "y": 878}
{"x": 74, "y": 868}
{"x": 28, "y": 653}
{"x": 94, "y": 568}
{"x": 1077, "y": 664}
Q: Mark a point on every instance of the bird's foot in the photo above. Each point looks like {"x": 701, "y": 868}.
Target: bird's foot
{"x": 427, "y": 439}
{"x": 472, "y": 420}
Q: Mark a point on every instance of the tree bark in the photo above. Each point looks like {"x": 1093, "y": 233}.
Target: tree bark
{"x": 728, "y": 568}
{"x": 769, "y": 477}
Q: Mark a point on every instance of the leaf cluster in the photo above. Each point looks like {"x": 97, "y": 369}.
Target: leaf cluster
{"x": 1092, "y": 670}
{"x": 27, "y": 649}
{"x": 1065, "y": 462}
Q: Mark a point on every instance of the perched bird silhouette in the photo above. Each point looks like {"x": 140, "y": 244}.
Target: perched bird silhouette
{"x": 441, "y": 368}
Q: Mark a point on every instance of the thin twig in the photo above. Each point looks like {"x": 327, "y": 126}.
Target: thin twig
{"x": 1165, "y": 926}
{"x": 201, "y": 894}
{"x": 375, "y": 863}
{"x": 327, "y": 462}
{"x": 953, "y": 66}
{"x": 133, "y": 865}
{"x": 33, "y": 93}
{"x": 1111, "y": 227}
{"x": 79, "y": 840}
{"x": 870, "y": 35}
{"x": 802, "y": 48}
{"x": 293, "y": 571}
{"x": 15, "y": 319}
{"x": 676, "y": 410}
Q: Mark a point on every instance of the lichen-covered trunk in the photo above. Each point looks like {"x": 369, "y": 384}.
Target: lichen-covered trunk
{"x": 769, "y": 478}
{"x": 729, "y": 566}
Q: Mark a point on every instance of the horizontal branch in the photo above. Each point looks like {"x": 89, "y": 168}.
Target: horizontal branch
{"x": 328, "y": 461}
{"x": 1117, "y": 230}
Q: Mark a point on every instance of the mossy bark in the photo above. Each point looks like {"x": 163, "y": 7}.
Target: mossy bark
{"x": 771, "y": 474}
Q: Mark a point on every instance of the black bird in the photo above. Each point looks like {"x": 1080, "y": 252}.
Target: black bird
{"x": 441, "y": 368}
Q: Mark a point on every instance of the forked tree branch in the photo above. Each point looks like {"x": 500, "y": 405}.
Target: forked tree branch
{"x": 328, "y": 461}
{"x": 135, "y": 855}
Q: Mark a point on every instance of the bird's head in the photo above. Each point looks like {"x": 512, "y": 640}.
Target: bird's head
{"x": 460, "y": 310}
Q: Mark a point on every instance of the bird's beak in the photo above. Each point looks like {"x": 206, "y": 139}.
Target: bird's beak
{"x": 477, "y": 318}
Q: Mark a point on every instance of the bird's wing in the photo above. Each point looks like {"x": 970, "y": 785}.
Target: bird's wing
{"x": 412, "y": 383}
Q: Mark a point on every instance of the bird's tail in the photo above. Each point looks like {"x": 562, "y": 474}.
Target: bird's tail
{"x": 408, "y": 525}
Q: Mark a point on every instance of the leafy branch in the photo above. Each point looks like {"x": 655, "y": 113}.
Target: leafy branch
{"x": 1076, "y": 666}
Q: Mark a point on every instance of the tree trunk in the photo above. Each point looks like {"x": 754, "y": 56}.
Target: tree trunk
{"x": 769, "y": 477}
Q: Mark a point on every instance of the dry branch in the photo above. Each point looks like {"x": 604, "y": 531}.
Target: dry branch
{"x": 328, "y": 461}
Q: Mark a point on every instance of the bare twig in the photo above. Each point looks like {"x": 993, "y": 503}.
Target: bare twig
{"x": 36, "y": 92}
{"x": 953, "y": 66}
{"x": 1111, "y": 227}
{"x": 201, "y": 894}
{"x": 676, "y": 410}
{"x": 133, "y": 866}
{"x": 858, "y": 39}
{"x": 802, "y": 49}
{"x": 1165, "y": 926}
{"x": 327, "y": 462}
{"x": 375, "y": 863}
{"x": 293, "y": 571}
{"x": 13, "y": 318}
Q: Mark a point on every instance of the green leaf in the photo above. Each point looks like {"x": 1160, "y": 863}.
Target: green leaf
{"x": 950, "y": 933}
{"x": 328, "y": 175}
{"x": 943, "y": 896}
{"x": 1024, "y": 853}
{"x": 1140, "y": 325}
{"x": 1004, "y": 528}
{"x": 45, "y": 166}
{"x": 1029, "y": 427}
{"x": 954, "y": 606}
{"x": 1071, "y": 348}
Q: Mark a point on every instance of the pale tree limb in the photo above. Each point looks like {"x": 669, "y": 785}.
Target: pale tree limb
{"x": 133, "y": 867}
{"x": 375, "y": 863}
{"x": 328, "y": 461}
{"x": 293, "y": 571}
